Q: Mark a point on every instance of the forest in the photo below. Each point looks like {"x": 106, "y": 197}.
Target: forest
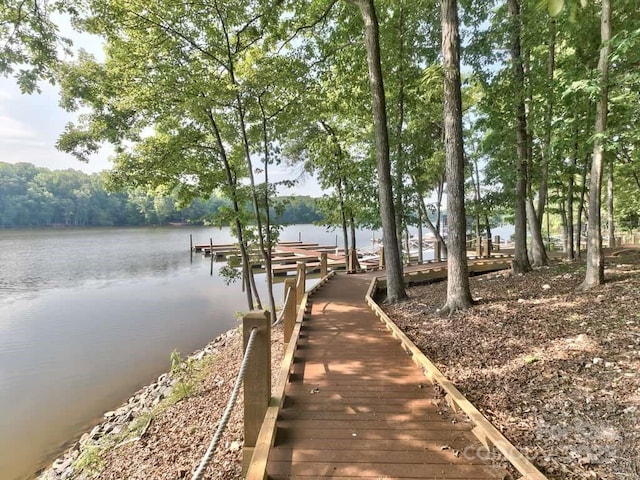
{"x": 523, "y": 107}
{"x": 39, "y": 197}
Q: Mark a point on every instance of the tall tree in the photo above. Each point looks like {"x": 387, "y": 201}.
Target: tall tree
{"x": 30, "y": 40}
{"x": 458, "y": 291}
{"x": 395, "y": 279}
{"x": 595, "y": 255}
{"x": 521, "y": 259}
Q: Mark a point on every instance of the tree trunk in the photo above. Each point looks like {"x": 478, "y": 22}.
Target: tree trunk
{"x": 420, "y": 236}
{"x": 538, "y": 253}
{"x": 583, "y": 194}
{"x": 521, "y": 259}
{"x": 458, "y": 291}
{"x": 443, "y": 245}
{"x": 611, "y": 231}
{"x": 345, "y": 230}
{"x": 231, "y": 182}
{"x": 268, "y": 246}
{"x": 595, "y": 256}
{"x": 570, "y": 193}
{"x": 547, "y": 147}
{"x": 399, "y": 165}
{"x": 395, "y": 279}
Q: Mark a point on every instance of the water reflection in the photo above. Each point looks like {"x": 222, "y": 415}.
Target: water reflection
{"x": 86, "y": 318}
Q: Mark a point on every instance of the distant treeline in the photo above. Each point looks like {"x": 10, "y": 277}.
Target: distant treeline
{"x": 31, "y": 196}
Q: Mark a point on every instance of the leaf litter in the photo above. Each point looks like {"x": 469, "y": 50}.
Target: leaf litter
{"x": 556, "y": 371}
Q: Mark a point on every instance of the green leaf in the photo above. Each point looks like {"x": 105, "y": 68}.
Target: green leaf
{"x": 555, "y": 7}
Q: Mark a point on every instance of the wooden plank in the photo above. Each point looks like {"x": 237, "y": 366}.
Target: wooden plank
{"x": 446, "y": 441}
{"x": 257, "y": 469}
{"x": 423, "y": 454}
{"x": 489, "y": 434}
{"x": 400, "y": 437}
{"x": 367, "y": 470}
{"x": 363, "y": 425}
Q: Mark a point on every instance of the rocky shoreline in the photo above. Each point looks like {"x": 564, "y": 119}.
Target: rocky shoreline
{"x": 118, "y": 423}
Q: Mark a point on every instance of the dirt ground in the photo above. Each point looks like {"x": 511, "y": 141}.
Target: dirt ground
{"x": 558, "y": 372}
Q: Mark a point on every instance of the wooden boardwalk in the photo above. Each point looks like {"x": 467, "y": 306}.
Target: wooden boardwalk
{"x": 356, "y": 405}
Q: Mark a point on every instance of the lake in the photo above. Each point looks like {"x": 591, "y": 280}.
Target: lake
{"x": 88, "y": 316}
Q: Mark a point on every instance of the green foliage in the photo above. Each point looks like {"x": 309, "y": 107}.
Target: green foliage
{"x": 30, "y": 42}
{"x": 184, "y": 371}
{"x": 39, "y": 197}
{"x": 89, "y": 461}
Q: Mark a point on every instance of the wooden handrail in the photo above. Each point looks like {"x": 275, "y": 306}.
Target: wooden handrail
{"x": 257, "y": 469}
{"x": 483, "y": 430}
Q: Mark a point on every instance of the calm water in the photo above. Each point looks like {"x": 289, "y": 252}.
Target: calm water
{"x": 88, "y": 316}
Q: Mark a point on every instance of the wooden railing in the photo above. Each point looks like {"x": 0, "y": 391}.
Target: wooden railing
{"x": 265, "y": 410}
{"x": 483, "y": 429}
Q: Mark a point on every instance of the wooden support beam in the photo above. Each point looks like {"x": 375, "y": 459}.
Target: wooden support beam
{"x": 323, "y": 264}
{"x": 257, "y": 379}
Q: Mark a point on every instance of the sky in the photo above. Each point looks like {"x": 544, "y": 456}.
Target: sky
{"x": 31, "y": 124}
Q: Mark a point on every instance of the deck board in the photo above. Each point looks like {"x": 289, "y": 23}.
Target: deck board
{"x": 358, "y": 407}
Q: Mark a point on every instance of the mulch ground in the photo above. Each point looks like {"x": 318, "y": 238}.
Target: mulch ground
{"x": 558, "y": 372}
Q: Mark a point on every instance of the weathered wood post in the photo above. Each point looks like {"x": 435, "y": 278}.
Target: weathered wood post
{"x": 353, "y": 260}
{"x": 381, "y": 257}
{"x": 486, "y": 244}
{"x": 478, "y": 246}
{"x": 323, "y": 264}
{"x": 257, "y": 380}
{"x": 437, "y": 251}
{"x": 191, "y": 242}
{"x": 289, "y": 308}
{"x": 496, "y": 243}
{"x": 301, "y": 281}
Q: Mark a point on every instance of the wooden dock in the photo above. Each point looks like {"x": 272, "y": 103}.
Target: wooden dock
{"x": 354, "y": 402}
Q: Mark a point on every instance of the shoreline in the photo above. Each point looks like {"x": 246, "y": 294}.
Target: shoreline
{"x": 140, "y": 404}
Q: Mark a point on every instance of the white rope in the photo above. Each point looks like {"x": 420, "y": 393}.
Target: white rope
{"x": 204, "y": 463}
{"x": 284, "y": 308}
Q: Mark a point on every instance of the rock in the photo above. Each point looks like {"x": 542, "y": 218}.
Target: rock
{"x": 546, "y": 286}
{"x": 597, "y": 361}
{"x": 95, "y": 432}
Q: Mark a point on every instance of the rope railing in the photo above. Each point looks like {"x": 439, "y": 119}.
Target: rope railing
{"x": 206, "y": 459}
{"x": 283, "y": 310}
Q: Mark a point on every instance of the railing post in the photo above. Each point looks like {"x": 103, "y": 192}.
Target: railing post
{"x": 300, "y": 282}
{"x": 289, "y": 308}
{"x": 437, "y": 251}
{"x": 486, "y": 244}
{"x": 496, "y": 243}
{"x": 323, "y": 264}
{"x": 257, "y": 380}
{"x": 381, "y": 257}
{"x": 478, "y": 246}
{"x": 353, "y": 259}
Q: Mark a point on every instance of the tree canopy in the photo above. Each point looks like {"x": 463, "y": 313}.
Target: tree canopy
{"x": 213, "y": 96}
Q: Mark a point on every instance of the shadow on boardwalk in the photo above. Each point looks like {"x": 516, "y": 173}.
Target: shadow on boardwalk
{"x": 357, "y": 405}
